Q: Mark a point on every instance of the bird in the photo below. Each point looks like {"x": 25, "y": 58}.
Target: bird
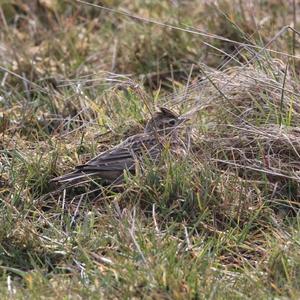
{"x": 161, "y": 131}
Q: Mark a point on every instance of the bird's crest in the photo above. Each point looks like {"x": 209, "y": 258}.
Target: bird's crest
{"x": 168, "y": 112}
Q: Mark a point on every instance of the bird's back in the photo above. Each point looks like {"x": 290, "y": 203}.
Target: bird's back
{"x": 110, "y": 165}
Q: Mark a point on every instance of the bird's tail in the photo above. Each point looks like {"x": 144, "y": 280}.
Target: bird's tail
{"x": 74, "y": 177}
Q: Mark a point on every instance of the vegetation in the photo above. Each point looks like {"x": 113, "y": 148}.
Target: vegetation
{"x": 221, "y": 223}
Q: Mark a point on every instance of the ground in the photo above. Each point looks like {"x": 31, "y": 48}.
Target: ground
{"x": 220, "y": 223}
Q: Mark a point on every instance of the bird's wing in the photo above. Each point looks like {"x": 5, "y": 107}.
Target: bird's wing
{"x": 123, "y": 155}
{"x": 113, "y": 162}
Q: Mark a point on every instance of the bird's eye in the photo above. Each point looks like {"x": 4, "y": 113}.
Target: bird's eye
{"x": 172, "y": 122}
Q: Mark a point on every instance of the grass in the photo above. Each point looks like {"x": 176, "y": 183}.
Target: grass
{"x": 221, "y": 223}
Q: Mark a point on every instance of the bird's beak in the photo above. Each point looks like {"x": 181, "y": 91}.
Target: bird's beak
{"x": 183, "y": 119}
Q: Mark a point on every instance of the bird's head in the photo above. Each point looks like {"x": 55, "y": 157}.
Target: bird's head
{"x": 164, "y": 121}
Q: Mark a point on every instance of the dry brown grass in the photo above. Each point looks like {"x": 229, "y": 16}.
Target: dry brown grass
{"x": 221, "y": 223}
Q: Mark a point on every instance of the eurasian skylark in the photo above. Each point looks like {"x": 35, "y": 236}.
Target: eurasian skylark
{"x": 161, "y": 131}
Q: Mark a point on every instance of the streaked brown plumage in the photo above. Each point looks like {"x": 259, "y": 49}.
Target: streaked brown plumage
{"x": 161, "y": 130}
